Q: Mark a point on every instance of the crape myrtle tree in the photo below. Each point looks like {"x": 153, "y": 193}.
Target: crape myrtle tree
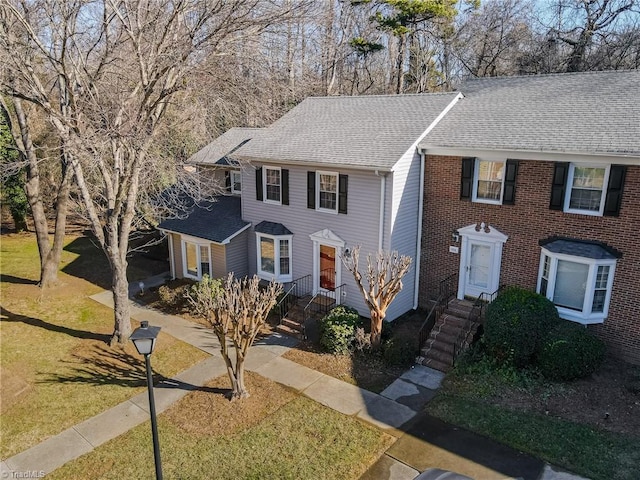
{"x": 105, "y": 73}
{"x": 236, "y": 310}
{"x": 381, "y": 283}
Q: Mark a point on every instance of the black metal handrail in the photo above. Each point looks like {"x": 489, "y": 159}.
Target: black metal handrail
{"x": 475, "y": 316}
{"x": 325, "y": 304}
{"x": 304, "y": 286}
{"x": 285, "y": 303}
{"x": 446, "y": 290}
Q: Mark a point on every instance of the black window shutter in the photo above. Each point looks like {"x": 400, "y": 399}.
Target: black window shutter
{"x": 285, "y": 186}
{"x": 343, "y": 186}
{"x": 227, "y": 180}
{"x": 559, "y": 185}
{"x": 311, "y": 190}
{"x": 509, "y": 197}
{"x": 466, "y": 181}
{"x": 259, "y": 195}
{"x": 613, "y": 200}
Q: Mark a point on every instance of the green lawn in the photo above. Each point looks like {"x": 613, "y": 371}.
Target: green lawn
{"x": 585, "y": 450}
{"x": 300, "y": 440}
{"x": 56, "y": 368}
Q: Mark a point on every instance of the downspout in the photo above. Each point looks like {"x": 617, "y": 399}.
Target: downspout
{"x": 383, "y": 190}
{"x": 419, "y": 239}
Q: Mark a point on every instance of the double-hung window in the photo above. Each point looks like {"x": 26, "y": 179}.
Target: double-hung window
{"x": 327, "y": 191}
{"x": 488, "y": 181}
{"x": 272, "y": 185}
{"x": 579, "y": 286}
{"x": 236, "y": 182}
{"x": 586, "y": 189}
{"x": 274, "y": 257}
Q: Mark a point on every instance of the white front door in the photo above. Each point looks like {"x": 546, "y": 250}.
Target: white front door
{"x": 480, "y": 259}
{"x": 478, "y": 268}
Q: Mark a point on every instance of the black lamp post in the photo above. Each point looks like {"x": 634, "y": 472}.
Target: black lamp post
{"x": 144, "y": 339}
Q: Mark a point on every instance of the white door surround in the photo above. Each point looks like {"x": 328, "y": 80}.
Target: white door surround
{"x": 480, "y": 259}
{"x": 329, "y": 239}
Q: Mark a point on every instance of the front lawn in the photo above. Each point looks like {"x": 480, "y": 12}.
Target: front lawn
{"x": 56, "y": 368}
{"x": 589, "y": 426}
{"x": 275, "y": 433}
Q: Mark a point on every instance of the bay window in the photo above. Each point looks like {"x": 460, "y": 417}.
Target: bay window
{"x": 578, "y": 279}
{"x": 274, "y": 257}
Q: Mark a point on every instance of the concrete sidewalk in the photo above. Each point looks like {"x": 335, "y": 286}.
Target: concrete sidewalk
{"x": 264, "y": 358}
{"x": 423, "y": 442}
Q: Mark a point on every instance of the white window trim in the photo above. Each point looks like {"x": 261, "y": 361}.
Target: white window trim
{"x": 585, "y": 316}
{"x": 276, "y": 261}
{"x": 476, "y": 179}
{"x": 231, "y": 175}
{"x": 198, "y": 243}
{"x": 337, "y": 177}
{"x": 569, "y": 187}
{"x": 265, "y": 168}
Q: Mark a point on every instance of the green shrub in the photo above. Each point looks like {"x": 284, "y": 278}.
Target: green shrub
{"x": 516, "y": 325}
{"x": 398, "y": 351}
{"x": 338, "y": 329}
{"x": 569, "y": 352}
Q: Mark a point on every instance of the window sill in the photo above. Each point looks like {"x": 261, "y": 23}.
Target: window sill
{"x": 487, "y": 202}
{"x": 579, "y": 317}
{"x": 278, "y": 278}
{"x": 326, "y": 210}
{"x": 589, "y": 213}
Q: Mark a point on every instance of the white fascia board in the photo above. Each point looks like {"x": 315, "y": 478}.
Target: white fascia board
{"x": 314, "y": 165}
{"x": 582, "y": 157}
{"x": 231, "y": 237}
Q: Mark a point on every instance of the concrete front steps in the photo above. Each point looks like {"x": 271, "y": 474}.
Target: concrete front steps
{"x": 438, "y": 351}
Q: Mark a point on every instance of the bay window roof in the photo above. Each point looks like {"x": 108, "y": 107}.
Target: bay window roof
{"x": 580, "y": 248}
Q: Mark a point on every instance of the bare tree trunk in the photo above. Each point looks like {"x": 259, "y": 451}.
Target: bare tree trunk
{"x": 49, "y": 254}
{"x": 49, "y": 268}
{"x": 376, "y": 329}
{"x": 239, "y": 391}
{"x": 400, "y": 63}
{"x": 121, "y": 305}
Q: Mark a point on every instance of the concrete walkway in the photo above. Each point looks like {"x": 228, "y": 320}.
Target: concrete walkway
{"x": 419, "y": 445}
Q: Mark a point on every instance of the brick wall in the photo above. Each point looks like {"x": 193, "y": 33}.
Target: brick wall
{"x": 526, "y": 222}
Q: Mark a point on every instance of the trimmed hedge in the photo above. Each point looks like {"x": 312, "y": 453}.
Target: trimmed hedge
{"x": 516, "y": 325}
{"x": 338, "y": 329}
{"x": 569, "y": 352}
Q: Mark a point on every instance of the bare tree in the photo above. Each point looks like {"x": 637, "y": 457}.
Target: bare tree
{"x": 49, "y": 251}
{"x": 105, "y": 74}
{"x": 383, "y": 282}
{"x": 236, "y": 311}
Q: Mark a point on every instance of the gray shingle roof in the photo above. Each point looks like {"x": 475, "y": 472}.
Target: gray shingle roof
{"x": 215, "y": 221}
{"x": 365, "y": 131}
{"x": 580, "y": 248}
{"x": 272, "y": 228}
{"x": 216, "y": 153}
{"x": 594, "y": 112}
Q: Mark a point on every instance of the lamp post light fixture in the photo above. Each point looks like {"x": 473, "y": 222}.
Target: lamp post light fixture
{"x": 144, "y": 339}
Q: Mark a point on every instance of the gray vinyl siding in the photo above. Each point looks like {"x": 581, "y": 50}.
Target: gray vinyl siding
{"x": 403, "y": 218}
{"x": 236, "y": 251}
{"x": 218, "y": 260}
{"x": 177, "y": 255}
{"x": 359, "y": 226}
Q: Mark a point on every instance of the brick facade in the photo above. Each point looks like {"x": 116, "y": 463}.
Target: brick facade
{"x": 526, "y": 222}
